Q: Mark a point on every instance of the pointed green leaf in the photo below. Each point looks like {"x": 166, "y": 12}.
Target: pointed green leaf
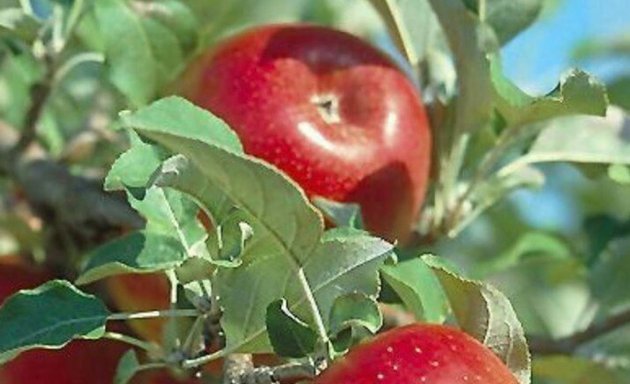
{"x": 133, "y": 169}
{"x": 508, "y": 17}
{"x": 580, "y": 139}
{"x": 49, "y": 316}
{"x": 577, "y": 93}
{"x": 178, "y": 116}
{"x": 355, "y": 309}
{"x": 289, "y": 336}
{"x": 128, "y": 366}
{"x": 341, "y": 214}
{"x": 138, "y": 252}
{"x": 418, "y": 288}
{"x": 485, "y": 313}
{"x": 130, "y": 61}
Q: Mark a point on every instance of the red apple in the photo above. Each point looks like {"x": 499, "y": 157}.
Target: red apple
{"x": 329, "y": 110}
{"x": 140, "y": 293}
{"x": 16, "y": 274}
{"x": 416, "y": 354}
{"x": 79, "y": 362}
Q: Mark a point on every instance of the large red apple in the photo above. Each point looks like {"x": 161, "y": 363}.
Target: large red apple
{"x": 416, "y": 354}
{"x": 328, "y": 109}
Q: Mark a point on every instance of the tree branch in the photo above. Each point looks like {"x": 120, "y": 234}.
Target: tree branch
{"x": 239, "y": 369}
{"x": 568, "y": 345}
{"x": 78, "y": 204}
{"x": 39, "y": 94}
{"x": 236, "y": 366}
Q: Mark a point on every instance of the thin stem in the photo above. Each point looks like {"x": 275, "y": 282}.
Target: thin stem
{"x": 203, "y": 360}
{"x": 74, "y": 16}
{"x": 317, "y": 317}
{"x": 149, "y": 347}
{"x": 396, "y": 25}
{"x": 148, "y": 366}
{"x": 172, "y": 278}
{"x": 483, "y": 10}
{"x": 58, "y": 37}
{"x": 193, "y": 333}
{"x": 567, "y": 345}
{"x": 487, "y": 164}
{"x": 75, "y": 61}
{"x": 154, "y": 314}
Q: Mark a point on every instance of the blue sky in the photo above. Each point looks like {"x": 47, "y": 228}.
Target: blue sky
{"x": 536, "y": 58}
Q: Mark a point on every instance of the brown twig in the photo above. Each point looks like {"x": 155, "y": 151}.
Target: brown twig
{"x": 77, "y": 204}
{"x": 567, "y": 345}
{"x": 39, "y": 94}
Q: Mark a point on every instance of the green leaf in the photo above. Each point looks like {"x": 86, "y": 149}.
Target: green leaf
{"x": 128, "y": 366}
{"x": 138, "y": 252}
{"x": 172, "y": 214}
{"x": 227, "y": 242}
{"x": 49, "y": 316}
{"x": 508, "y": 17}
{"x": 601, "y": 230}
{"x": 131, "y": 64}
{"x": 134, "y": 168}
{"x": 179, "y": 19}
{"x": 145, "y": 44}
{"x": 608, "y": 277}
{"x": 289, "y": 336}
{"x": 580, "y": 139}
{"x": 577, "y": 93}
{"x": 175, "y": 115}
{"x": 418, "y": 288}
{"x": 199, "y": 293}
{"x": 166, "y": 50}
{"x": 550, "y": 294}
{"x": 619, "y": 92}
{"x": 14, "y": 22}
{"x": 355, "y": 310}
{"x": 228, "y": 16}
{"x": 341, "y": 214}
{"x": 529, "y": 244}
{"x": 493, "y": 189}
{"x": 287, "y": 242}
{"x": 484, "y": 312}
{"x": 469, "y": 41}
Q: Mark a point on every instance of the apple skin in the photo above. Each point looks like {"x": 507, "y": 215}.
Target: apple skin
{"x": 140, "y": 293}
{"x": 329, "y": 110}
{"x": 17, "y": 274}
{"x": 419, "y": 353}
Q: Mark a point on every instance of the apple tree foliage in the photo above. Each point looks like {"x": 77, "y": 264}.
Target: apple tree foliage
{"x": 97, "y": 75}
